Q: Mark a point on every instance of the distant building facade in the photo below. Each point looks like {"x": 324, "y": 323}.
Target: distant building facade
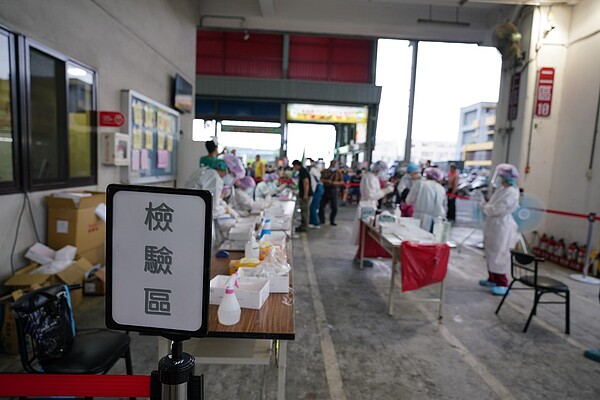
{"x": 476, "y": 134}
{"x": 423, "y": 150}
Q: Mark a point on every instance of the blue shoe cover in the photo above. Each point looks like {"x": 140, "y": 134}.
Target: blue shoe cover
{"x": 485, "y": 282}
{"x": 499, "y": 290}
{"x": 592, "y": 354}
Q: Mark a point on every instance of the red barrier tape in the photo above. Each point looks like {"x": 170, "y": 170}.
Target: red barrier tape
{"x": 74, "y": 385}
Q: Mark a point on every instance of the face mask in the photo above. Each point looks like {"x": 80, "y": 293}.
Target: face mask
{"x": 497, "y": 182}
{"x": 228, "y": 181}
{"x": 382, "y": 174}
{"x": 402, "y": 170}
{"x": 333, "y": 169}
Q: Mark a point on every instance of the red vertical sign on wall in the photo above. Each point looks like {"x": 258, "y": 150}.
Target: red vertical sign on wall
{"x": 513, "y": 101}
{"x": 543, "y": 101}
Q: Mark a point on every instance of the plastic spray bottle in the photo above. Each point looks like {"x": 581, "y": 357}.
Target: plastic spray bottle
{"x": 229, "y": 310}
{"x": 266, "y": 228}
{"x": 252, "y": 248}
{"x": 397, "y": 212}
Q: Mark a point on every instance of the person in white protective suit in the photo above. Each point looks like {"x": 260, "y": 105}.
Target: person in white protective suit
{"x": 370, "y": 193}
{"x": 500, "y": 231}
{"x": 267, "y": 187}
{"x": 235, "y": 170}
{"x": 428, "y": 198}
{"x": 243, "y": 194}
{"x": 210, "y": 179}
{"x": 407, "y": 181}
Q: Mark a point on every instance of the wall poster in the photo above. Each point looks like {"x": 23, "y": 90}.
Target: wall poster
{"x": 154, "y": 139}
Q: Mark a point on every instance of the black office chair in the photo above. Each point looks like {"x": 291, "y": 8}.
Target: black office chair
{"x": 524, "y": 269}
{"x": 49, "y": 343}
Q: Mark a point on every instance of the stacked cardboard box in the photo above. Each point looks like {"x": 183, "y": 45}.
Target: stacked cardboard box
{"x": 72, "y": 220}
{"x": 73, "y": 274}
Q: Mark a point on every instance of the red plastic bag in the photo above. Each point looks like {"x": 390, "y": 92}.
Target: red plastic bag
{"x": 423, "y": 264}
{"x": 407, "y": 210}
{"x": 372, "y": 248}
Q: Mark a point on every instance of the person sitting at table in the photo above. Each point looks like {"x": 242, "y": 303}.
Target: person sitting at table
{"x": 211, "y": 179}
{"x": 267, "y": 188}
{"x": 429, "y": 198}
{"x": 241, "y": 199}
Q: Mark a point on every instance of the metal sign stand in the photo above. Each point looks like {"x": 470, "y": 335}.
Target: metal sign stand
{"x": 175, "y": 379}
{"x": 588, "y": 263}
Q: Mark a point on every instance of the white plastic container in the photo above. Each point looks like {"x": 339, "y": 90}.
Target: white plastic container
{"x": 229, "y": 311}
{"x": 252, "y": 249}
{"x": 397, "y": 213}
{"x": 250, "y": 293}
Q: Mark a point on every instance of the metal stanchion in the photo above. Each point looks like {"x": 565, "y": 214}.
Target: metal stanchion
{"x": 175, "y": 378}
{"x": 587, "y": 263}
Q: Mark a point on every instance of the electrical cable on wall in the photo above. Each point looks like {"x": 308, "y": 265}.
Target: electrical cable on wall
{"x": 26, "y": 201}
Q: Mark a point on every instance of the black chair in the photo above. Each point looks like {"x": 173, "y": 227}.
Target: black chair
{"x": 49, "y": 343}
{"x": 524, "y": 269}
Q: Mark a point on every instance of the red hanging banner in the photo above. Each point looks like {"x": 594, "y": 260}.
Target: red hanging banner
{"x": 543, "y": 100}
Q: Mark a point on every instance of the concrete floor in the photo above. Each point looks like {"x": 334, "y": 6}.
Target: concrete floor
{"x": 347, "y": 347}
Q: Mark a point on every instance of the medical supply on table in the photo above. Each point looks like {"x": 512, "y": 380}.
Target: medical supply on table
{"x": 244, "y": 262}
{"x": 397, "y": 213}
{"x": 266, "y": 228}
{"x": 229, "y": 311}
{"x": 441, "y": 230}
{"x": 252, "y": 249}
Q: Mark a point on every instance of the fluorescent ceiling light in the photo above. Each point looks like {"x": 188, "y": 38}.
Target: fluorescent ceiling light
{"x": 252, "y": 123}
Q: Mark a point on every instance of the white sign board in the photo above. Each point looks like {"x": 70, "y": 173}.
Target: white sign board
{"x": 158, "y": 259}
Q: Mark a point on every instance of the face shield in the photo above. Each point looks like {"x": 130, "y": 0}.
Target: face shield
{"x": 505, "y": 173}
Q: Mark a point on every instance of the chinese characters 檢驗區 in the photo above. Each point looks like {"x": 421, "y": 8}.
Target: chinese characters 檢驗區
{"x": 157, "y": 259}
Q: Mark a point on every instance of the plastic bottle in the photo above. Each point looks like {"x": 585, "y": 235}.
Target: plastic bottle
{"x": 397, "y": 212}
{"x": 438, "y": 229}
{"x": 229, "y": 311}
{"x": 266, "y": 230}
{"x": 252, "y": 249}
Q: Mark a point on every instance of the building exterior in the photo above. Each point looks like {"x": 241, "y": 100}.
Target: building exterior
{"x": 436, "y": 151}
{"x": 476, "y": 134}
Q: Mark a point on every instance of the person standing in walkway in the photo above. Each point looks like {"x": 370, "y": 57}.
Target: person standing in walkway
{"x": 500, "y": 231}
{"x": 317, "y": 188}
{"x": 304, "y": 193}
{"x": 429, "y": 198}
{"x": 331, "y": 179}
{"x": 259, "y": 168}
{"x": 370, "y": 193}
{"x": 452, "y": 189}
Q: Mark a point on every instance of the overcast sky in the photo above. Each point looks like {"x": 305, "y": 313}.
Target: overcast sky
{"x": 449, "y": 76}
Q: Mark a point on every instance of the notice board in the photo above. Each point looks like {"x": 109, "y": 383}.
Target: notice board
{"x": 153, "y": 130}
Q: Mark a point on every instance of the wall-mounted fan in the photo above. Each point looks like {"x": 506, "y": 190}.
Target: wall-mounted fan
{"x": 507, "y": 40}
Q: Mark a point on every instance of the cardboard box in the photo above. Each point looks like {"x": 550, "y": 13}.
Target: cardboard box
{"x": 277, "y": 284}
{"x": 71, "y": 275}
{"x": 94, "y": 255}
{"x": 250, "y": 294}
{"x": 95, "y": 284}
{"x": 74, "y": 222}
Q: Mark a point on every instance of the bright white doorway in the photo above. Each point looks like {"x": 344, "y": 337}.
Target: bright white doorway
{"x": 311, "y": 140}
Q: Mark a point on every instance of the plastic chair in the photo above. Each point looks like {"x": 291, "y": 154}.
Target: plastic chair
{"x": 49, "y": 343}
{"x": 524, "y": 269}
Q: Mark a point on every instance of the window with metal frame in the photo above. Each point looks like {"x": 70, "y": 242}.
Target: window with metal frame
{"x": 9, "y": 155}
{"x": 61, "y": 120}
{"x": 47, "y": 118}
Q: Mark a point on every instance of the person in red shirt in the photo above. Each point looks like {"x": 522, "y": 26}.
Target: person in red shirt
{"x": 452, "y": 190}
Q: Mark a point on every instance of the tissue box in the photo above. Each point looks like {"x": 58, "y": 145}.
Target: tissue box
{"x": 250, "y": 294}
{"x": 277, "y": 284}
